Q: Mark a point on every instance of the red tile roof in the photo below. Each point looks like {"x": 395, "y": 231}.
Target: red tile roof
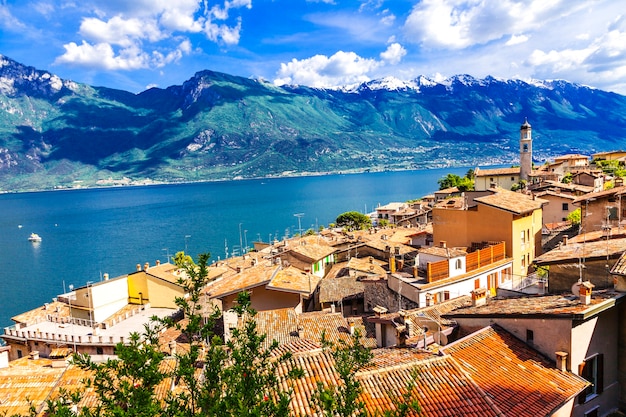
{"x": 441, "y": 386}
{"x": 520, "y": 380}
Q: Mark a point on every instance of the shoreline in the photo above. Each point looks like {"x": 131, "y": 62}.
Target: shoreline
{"x": 287, "y": 174}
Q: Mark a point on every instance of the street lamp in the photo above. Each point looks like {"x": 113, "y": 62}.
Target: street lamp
{"x": 186, "y": 237}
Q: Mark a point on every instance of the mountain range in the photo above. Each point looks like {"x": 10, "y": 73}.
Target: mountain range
{"x": 56, "y": 133}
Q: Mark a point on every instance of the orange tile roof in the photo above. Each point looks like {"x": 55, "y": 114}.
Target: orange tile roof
{"x": 282, "y": 325}
{"x": 39, "y": 314}
{"x": 293, "y": 279}
{"x": 369, "y": 265}
{"x": 312, "y": 251}
{"x": 513, "y": 202}
{"x": 520, "y": 380}
{"x": 557, "y": 306}
{"x": 441, "y": 386}
{"x": 496, "y": 171}
{"x": 26, "y": 381}
{"x": 254, "y": 276}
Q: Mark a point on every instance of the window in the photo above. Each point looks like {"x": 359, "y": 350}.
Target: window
{"x": 525, "y": 147}
{"x": 19, "y": 353}
{"x": 530, "y": 336}
{"x": 477, "y": 283}
{"x": 99, "y": 350}
{"x": 523, "y": 237}
{"x": 592, "y": 369}
{"x": 446, "y": 295}
{"x": 457, "y": 264}
{"x": 565, "y": 207}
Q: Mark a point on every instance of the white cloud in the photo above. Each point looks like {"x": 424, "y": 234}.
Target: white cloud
{"x": 101, "y": 55}
{"x": 394, "y": 54}
{"x": 516, "y": 39}
{"x": 223, "y": 33}
{"x": 145, "y": 33}
{"x": 120, "y": 31}
{"x": 458, "y": 24}
{"x": 342, "y": 68}
{"x": 323, "y": 72}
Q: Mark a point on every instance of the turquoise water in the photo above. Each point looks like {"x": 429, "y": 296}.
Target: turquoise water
{"x": 87, "y": 233}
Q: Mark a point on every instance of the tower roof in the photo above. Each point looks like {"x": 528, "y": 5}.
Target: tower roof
{"x": 526, "y": 125}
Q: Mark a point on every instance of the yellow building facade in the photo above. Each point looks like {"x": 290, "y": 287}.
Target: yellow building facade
{"x": 504, "y": 216}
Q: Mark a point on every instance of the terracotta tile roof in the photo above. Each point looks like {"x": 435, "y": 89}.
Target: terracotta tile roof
{"x": 595, "y": 235}
{"x": 312, "y": 251}
{"x": 570, "y": 156}
{"x": 382, "y": 244}
{"x": 555, "y": 194}
{"x": 496, "y": 171}
{"x": 39, "y": 314}
{"x": 600, "y": 194}
{"x": 446, "y": 253}
{"x": 441, "y": 386}
{"x": 516, "y": 203}
{"x": 166, "y": 271}
{"x": 369, "y": 265}
{"x": 449, "y": 190}
{"x": 620, "y": 266}
{"x": 455, "y": 203}
{"x": 282, "y": 325}
{"x": 555, "y": 306}
{"x": 26, "y": 381}
{"x": 587, "y": 250}
{"x": 520, "y": 380}
{"x": 233, "y": 282}
{"x": 293, "y": 279}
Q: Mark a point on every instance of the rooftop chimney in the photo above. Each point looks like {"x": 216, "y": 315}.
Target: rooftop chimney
{"x": 565, "y": 240}
{"x": 479, "y": 297}
{"x": 105, "y": 276}
{"x": 300, "y": 332}
{"x": 585, "y": 292}
{"x": 146, "y": 266}
{"x": 443, "y": 244}
{"x": 158, "y": 262}
{"x": 138, "y": 267}
{"x": 561, "y": 361}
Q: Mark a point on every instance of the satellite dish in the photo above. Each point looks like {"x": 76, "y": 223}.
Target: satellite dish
{"x": 576, "y": 288}
{"x": 440, "y": 338}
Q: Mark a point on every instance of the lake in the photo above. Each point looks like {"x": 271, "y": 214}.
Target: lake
{"x": 86, "y": 233}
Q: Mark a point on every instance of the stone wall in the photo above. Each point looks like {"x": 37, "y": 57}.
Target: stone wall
{"x": 377, "y": 292}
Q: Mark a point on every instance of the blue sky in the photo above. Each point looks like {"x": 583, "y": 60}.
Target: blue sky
{"x": 136, "y": 44}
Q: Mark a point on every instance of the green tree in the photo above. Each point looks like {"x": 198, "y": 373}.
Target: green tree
{"x": 245, "y": 383}
{"x": 353, "y": 220}
{"x": 465, "y": 183}
{"x": 343, "y": 400}
{"x": 574, "y": 217}
{"x": 181, "y": 259}
{"x": 449, "y": 181}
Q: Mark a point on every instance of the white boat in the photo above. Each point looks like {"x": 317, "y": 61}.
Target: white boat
{"x": 34, "y": 237}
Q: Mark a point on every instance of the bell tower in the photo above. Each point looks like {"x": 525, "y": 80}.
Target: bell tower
{"x": 525, "y": 150}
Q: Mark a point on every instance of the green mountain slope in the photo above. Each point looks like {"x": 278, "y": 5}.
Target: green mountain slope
{"x": 57, "y": 133}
